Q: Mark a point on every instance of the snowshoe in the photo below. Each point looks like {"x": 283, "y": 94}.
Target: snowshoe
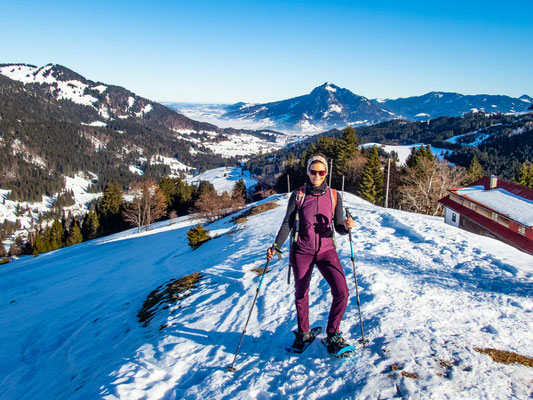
{"x": 337, "y": 346}
{"x": 303, "y": 340}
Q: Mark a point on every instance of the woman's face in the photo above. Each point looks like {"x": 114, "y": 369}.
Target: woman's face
{"x": 316, "y": 169}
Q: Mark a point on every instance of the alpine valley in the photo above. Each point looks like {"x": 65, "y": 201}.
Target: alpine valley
{"x": 61, "y": 132}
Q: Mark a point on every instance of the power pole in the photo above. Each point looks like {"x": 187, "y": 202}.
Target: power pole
{"x": 342, "y": 188}
{"x": 330, "y": 171}
{"x": 387, "y": 191}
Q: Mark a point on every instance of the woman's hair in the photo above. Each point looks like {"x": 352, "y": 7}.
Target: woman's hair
{"x": 317, "y": 158}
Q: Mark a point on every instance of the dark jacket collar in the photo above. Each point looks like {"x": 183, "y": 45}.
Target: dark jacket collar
{"x": 316, "y": 190}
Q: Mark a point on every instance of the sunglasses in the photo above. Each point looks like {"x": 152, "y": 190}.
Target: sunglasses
{"x": 315, "y": 172}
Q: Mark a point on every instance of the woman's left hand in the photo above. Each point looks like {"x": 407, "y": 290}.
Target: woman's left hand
{"x": 348, "y": 223}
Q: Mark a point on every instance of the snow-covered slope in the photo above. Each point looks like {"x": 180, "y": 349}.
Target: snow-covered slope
{"x": 224, "y": 179}
{"x": 404, "y": 151}
{"x": 430, "y": 294}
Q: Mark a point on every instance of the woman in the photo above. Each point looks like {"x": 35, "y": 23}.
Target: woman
{"x": 311, "y": 210}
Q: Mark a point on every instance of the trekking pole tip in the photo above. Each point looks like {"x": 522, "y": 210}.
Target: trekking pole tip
{"x": 231, "y": 369}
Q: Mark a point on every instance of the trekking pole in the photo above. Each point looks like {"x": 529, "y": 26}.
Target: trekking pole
{"x": 231, "y": 368}
{"x": 363, "y": 341}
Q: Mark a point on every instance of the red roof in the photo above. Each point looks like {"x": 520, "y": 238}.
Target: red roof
{"x": 511, "y": 187}
{"x": 502, "y": 232}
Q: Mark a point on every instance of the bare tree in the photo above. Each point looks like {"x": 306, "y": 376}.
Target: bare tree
{"x": 426, "y": 183}
{"x": 133, "y": 212}
{"x": 212, "y": 206}
{"x": 353, "y": 171}
{"x": 154, "y": 203}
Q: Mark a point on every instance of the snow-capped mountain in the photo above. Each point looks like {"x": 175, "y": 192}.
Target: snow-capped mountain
{"x": 526, "y": 98}
{"x": 55, "y": 124}
{"x": 439, "y": 104}
{"x": 327, "y": 106}
{"x": 430, "y": 296}
{"x": 108, "y": 105}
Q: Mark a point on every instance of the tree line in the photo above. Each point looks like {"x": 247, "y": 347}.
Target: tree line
{"x": 150, "y": 201}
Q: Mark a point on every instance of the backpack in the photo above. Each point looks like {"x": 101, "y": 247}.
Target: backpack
{"x": 300, "y": 197}
{"x": 299, "y": 202}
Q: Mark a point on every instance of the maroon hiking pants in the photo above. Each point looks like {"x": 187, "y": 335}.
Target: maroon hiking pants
{"x": 330, "y": 267}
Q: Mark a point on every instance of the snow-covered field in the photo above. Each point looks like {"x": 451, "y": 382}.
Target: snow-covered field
{"x": 403, "y": 151}
{"x": 430, "y": 294}
{"x": 223, "y": 179}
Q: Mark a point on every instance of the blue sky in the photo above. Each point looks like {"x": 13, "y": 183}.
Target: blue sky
{"x": 258, "y": 51}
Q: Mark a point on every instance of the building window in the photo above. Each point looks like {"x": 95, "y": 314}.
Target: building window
{"x": 503, "y": 221}
{"x": 522, "y": 230}
{"x": 454, "y": 217}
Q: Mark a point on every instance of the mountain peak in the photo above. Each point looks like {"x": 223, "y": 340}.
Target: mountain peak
{"x": 330, "y": 87}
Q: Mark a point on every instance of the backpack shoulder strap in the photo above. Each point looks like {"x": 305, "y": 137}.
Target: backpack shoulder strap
{"x": 333, "y": 194}
{"x": 300, "y": 197}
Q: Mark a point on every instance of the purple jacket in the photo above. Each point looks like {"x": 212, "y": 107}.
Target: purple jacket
{"x": 315, "y": 234}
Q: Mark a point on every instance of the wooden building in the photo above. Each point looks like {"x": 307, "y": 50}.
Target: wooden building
{"x": 493, "y": 207}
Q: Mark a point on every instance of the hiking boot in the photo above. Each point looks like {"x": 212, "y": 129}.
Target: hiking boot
{"x": 301, "y": 338}
{"x": 335, "y": 344}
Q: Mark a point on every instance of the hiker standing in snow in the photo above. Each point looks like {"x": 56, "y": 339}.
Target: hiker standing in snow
{"x": 312, "y": 212}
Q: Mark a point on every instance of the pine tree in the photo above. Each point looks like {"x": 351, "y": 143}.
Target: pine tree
{"x": 113, "y": 198}
{"x": 418, "y": 153}
{"x": 91, "y": 225}
{"x": 371, "y": 188}
{"x": 42, "y": 242}
{"x": 197, "y": 236}
{"x": 74, "y": 236}
{"x": 347, "y": 149}
{"x": 56, "y": 235}
{"x": 524, "y": 175}
{"x": 475, "y": 171}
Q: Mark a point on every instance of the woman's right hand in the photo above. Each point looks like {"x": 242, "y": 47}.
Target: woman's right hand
{"x": 270, "y": 253}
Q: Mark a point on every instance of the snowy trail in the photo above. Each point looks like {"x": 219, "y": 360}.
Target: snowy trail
{"x": 430, "y": 294}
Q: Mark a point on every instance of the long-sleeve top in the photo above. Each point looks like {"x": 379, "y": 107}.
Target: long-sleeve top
{"x": 290, "y": 217}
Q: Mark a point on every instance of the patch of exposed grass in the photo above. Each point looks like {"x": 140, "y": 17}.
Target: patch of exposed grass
{"x": 409, "y": 375}
{"x": 395, "y": 367}
{"x": 259, "y": 271}
{"x": 506, "y": 357}
{"x": 258, "y": 209}
{"x": 167, "y": 293}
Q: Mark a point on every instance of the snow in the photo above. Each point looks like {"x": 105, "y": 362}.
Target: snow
{"x": 333, "y": 108}
{"x": 404, "y": 151}
{"x": 329, "y": 88}
{"x": 145, "y": 110}
{"x": 72, "y": 90}
{"x": 96, "y": 123}
{"x": 474, "y": 138}
{"x": 242, "y": 145}
{"x": 100, "y": 88}
{"x": 430, "y": 294}
{"x": 502, "y": 201}
{"x": 223, "y": 179}
{"x": 136, "y": 170}
{"x": 177, "y": 167}
{"x": 78, "y": 183}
